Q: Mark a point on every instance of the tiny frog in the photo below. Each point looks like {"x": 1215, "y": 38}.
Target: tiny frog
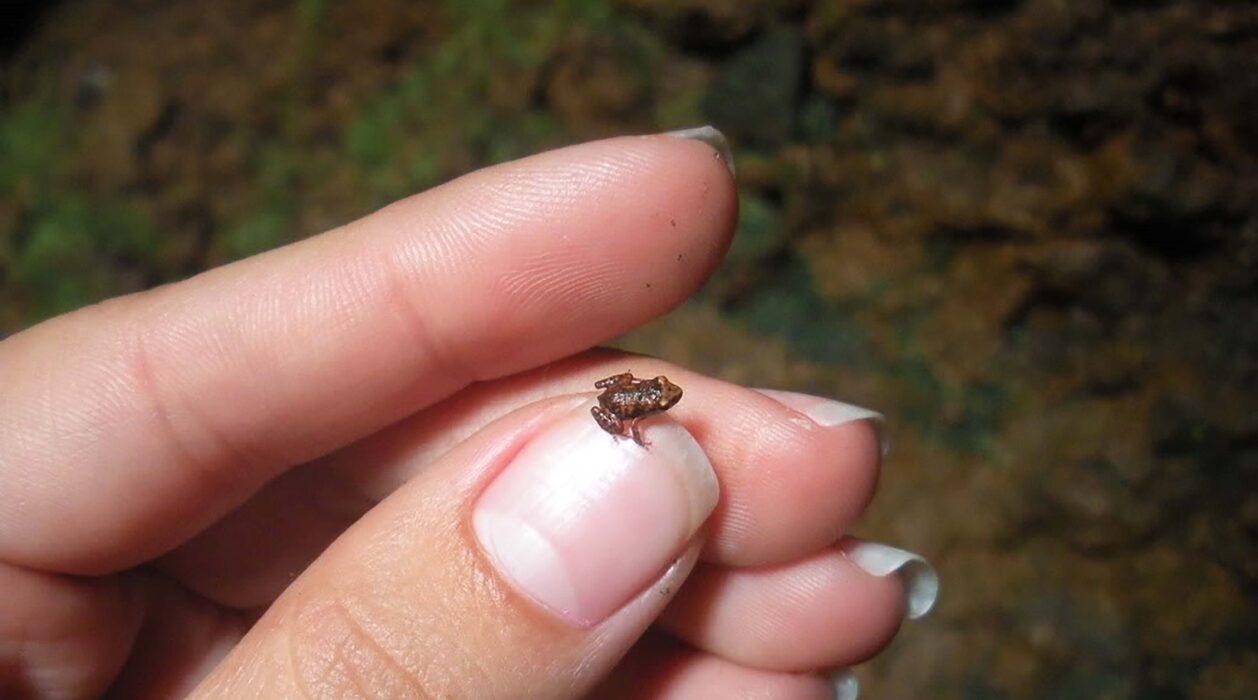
{"x": 626, "y": 400}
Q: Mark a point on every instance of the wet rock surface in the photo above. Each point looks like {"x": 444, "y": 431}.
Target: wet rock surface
{"x": 1025, "y": 230}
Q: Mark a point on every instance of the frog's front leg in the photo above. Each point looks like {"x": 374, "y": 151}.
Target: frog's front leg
{"x": 608, "y": 421}
{"x": 637, "y": 432}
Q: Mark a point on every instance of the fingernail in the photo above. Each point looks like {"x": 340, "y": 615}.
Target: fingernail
{"x": 921, "y": 582}
{"x": 829, "y": 413}
{"x": 711, "y": 136}
{"x": 845, "y": 685}
{"x": 581, "y": 521}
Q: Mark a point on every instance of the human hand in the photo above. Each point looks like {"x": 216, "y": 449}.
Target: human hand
{"x": 363, "y": 465}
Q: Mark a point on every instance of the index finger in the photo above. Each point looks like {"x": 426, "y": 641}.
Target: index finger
{"x": 129, "y": 426}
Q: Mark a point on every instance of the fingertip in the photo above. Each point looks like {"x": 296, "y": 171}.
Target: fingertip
{"x": 661, "y": 669}
{"x": 714, "y": 139}
{"x": 590, "y": 239}
{"x": 820, "y": 612}
{"x": 795, "y": 484}
{"x": 918, "y": 578}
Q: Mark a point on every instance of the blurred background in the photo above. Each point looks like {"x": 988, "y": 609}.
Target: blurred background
{"x": 1027, "y": 230}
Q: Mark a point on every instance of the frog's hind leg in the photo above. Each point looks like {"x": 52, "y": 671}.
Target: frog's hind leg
{"x": 614, "y": 380}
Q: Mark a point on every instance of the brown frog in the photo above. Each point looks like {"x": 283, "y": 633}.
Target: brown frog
{"x": 626, "y": 400}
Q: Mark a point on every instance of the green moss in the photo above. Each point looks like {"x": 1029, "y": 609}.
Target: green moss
{"x": 499, "y": 144}
{"x": 280, "y": 171}
{"x": 74, "y": 251}
{"x": 34, "y": 137}
{"x": 70, "y": 248}
{"x": 965, "y": 418}
{"x": 261, "y": 232}
{"x": 436, "y": 120}
{"x": 491, "y": 34}
{"x": 682, "y": 110}
{"x": 369, "y": 139}
{"x": 781, "y": 300}
{"x": 789, "y": 307}
{"x": 818, "y": 120}
{"x": 759, "y": 231}
{"x": 311, "y": 15}
{"x": 56, "y": 269}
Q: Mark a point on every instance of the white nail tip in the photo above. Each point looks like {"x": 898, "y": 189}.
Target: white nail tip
{"x": 838, "y": 413}
{"x": 829, "y": 413}
{"x": 845, "y": 685}
{"x": 711, "y": 136}
{"x": 921, "y": 582}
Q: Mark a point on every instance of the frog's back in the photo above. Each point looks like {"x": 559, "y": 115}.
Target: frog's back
{"x": 630, "y": 403}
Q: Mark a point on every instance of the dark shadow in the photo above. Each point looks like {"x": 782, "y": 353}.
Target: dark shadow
{"x": 18, "y": 20}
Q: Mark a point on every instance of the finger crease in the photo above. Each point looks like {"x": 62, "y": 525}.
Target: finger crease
{"x": 443, "y": 361}
{"x": 206, "y": 464}
{"x": 360, "y": 659}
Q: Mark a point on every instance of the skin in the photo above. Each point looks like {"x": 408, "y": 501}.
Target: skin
{"x": 257, "y": 482}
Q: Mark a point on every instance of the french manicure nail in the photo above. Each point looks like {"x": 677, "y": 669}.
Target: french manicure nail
{"x": 581, "y": 521}
{"x": 844, "y": 685}
{"x": 711, "y": 136}
{"x": 829, "y": 413}
{"x": 921, "y": 582}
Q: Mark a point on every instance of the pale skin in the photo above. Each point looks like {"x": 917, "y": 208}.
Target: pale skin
{"x": 177, "y": 463}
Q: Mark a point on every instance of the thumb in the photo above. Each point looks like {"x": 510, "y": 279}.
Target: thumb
{"x": 524, "y": 563}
